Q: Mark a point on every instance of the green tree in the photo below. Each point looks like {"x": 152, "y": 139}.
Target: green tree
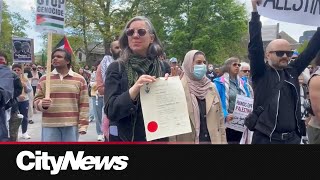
{"x": 302, "y": 46}
{"x": 215, "y": 27}
{"x": 13, "y": 24}
{"x": 218, "y": 28}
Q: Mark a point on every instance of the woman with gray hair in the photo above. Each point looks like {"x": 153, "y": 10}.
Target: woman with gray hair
{"x": 138, "y": 64}
{"x": 230, "y": 85}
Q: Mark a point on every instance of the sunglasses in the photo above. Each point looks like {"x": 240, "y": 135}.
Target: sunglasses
{"x": 141, "y": 32}
{"x": 246, "y": 71}
{"x": 236, "y": 64}
{"x": 281, "y": 53}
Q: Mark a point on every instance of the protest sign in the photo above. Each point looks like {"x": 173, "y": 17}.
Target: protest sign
{"x": 243, "y": 107}
{"x": 306, "y": 12}
{"x": 22, "y": 50}
{"x": 50, "y": 16}
{"x": 164, "y": 108}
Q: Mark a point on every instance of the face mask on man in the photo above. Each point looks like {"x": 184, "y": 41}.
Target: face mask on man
{"x": 199, "y": 71}
{"x": 210, "y": 68}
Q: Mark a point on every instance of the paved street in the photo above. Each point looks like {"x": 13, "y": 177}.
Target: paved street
{"x": 34, "y": 130}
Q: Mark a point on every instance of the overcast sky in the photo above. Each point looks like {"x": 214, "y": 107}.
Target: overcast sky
{"x": 24, "y": 8}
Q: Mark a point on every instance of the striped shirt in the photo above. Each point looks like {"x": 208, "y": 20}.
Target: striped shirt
{"x": 70, "y": 101}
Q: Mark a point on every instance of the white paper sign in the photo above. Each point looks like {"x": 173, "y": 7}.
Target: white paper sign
{"x": 243, "y": 107}
{"x": 306, "y": 12}
{"x": 164, "y": 108}
{"x": 50, "y": 16}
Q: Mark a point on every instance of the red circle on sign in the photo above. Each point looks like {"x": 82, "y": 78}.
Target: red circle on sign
{"x": 152, "y": 126}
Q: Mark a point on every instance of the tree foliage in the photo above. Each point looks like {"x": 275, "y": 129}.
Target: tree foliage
{"x": 13, "y": 25}
{"x": 218, "y": 28}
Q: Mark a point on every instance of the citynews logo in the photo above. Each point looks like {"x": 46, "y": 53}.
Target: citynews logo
{"x": 42, "y": 161}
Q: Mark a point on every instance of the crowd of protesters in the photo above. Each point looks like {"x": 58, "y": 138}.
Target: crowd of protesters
{"x": 283, "y": 84}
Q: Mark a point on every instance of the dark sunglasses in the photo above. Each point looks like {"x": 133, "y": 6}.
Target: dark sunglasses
{"x": 141, "y": 32}
{"x": 236, "y": 64}
{"x": 281, "y": 53}
{"x": 246, "y": 71}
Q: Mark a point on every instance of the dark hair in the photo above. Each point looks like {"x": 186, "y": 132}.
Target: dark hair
{"x": 198, "y": 53}
{"x": 3, "y": 55}
{"x": 155, "y": 49}
{"x": 67, "y": 55}
{"x": 16, "y": 66}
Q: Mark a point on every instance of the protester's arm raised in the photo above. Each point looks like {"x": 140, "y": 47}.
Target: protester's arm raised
{"x": 314, "y": 89}
{"x": 255, "y": 47}
{"x": 308, "y": 54}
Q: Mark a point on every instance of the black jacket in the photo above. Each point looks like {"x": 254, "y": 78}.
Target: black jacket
{"x": 17, "y": 86}
{"x": 265, "y": 78}
{"x": 119, "y": 107}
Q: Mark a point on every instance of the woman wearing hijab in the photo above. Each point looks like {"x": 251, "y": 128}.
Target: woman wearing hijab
{"x": 230, "y": 85}
{"x": 203, "y": 101}
{"x": 138, "y": 64}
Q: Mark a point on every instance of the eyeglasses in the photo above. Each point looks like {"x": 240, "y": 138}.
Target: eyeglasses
{"x": 246, "y": 71}
{"x": 141, "y": 32}
{"x": 281, "y": 53}
{"x": 236, "y": 64}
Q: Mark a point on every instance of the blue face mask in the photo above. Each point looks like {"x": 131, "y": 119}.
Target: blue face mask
{"x": 199, "y": 71}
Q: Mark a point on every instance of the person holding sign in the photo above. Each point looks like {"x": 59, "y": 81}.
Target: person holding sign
{"x": 23, "y": 99}
{"x": 276, "y": 117}
{"x": 229, "y": 86}
{"x": 137, "y": 65}
{"x": 65, "y": 114}
{"x": 203, "y": 100}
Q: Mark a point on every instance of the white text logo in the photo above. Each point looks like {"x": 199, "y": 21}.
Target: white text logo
{"x": 42, "y": 161}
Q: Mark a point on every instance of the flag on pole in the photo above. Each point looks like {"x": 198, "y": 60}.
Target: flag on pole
{"x": 64, "y": 44}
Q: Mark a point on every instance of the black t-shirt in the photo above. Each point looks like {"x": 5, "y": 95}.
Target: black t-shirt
{"x": 204, "y": 136}
{"x": 29, "y": 73}
{"x": 286, "y": 116}
{"x": 211, "y": 75}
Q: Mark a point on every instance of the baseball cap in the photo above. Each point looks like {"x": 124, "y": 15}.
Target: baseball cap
{"x": 295, "y": 53}
{"x": 173, "y": 60}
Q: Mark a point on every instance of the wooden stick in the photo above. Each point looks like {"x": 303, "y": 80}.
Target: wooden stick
{"x": 48, "y": 78}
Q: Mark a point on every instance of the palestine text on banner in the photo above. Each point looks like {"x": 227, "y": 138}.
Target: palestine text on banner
{"x": 306, "y": 12}
{"x": 50, "y": 16}
{"x": 164, "y": 108}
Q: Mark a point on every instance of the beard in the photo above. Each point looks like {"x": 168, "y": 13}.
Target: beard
{"x": 115, "y": 55}
{"x": 280, "y": 64}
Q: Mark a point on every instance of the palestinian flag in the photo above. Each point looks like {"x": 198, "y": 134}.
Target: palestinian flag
{"x": 64, "y": 44}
